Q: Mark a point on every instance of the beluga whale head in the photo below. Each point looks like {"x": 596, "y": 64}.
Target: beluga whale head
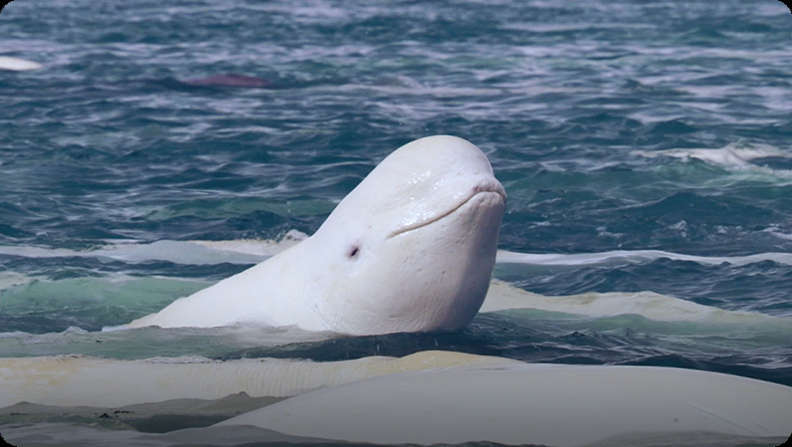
{"x": 414, "y": 243}
{"x": 410, "y": 249}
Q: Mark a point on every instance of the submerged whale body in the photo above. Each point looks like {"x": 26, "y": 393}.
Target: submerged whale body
{"x": 542, "y": 404}
{"x": 410, "y": 249}
{"x": 426, "y": 398}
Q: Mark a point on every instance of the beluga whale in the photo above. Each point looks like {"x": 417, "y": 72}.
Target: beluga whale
{"x": 16, "y": 64}
{"x": 410, "y": 249}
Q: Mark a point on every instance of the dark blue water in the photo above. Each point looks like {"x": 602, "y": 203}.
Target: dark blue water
{"x": 613, "y": 125}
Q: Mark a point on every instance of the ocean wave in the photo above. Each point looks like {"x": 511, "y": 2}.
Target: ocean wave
{"x": 653, "y": 306}
{"x": 736, "y": 157}
{"x": 50, "y": 306}
{"x": 197, "y": 252}
{"x": 732, "y": 155}
{"x": 634, "y": 257}
{"x": 252, "y": 251}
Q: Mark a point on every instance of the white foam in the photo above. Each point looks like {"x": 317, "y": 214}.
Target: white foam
{"x": 249, "y": 251}
{"x": 731, "y": 155}
{"x": 654, "y": 306}
{"x": 635, "y": 257}
{"x": 252, "y": 251}
{"x": 257, "y": 247}
{"x": 778, "y": 233}
{"x": 13, "y": 279}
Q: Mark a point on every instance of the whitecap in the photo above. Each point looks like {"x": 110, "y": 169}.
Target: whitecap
{"x": 198, "y": 252}
{"x": 654, "y": 306}
{"x": 635, "y": 257}
{"x": 733, "y": 155}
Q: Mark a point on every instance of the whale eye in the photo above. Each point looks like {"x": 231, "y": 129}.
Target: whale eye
{"x": 353, "y": 252}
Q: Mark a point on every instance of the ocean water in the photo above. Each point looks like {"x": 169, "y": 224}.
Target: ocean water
{"x": 644, "y": 147}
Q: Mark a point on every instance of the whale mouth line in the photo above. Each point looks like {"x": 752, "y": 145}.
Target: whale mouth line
{"x": 479, "y": 191}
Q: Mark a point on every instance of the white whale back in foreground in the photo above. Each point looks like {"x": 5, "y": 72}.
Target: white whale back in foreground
{"x": 558, "y": 405}
{"x": 76, "y": 380}
{"x": 411, "y": 248}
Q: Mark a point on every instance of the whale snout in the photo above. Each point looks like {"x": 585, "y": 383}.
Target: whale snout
{"x": 488, "y": 185}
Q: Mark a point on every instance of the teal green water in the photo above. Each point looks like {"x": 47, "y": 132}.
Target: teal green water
{"x": 613, "y": 125}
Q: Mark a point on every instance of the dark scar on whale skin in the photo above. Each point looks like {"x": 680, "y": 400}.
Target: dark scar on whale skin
{"x": 230, "y": 80}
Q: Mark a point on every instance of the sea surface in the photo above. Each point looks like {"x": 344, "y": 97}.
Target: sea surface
{"x": 644, "y": 147}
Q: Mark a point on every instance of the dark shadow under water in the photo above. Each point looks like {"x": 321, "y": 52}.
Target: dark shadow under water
{"x": 499, "y": 335}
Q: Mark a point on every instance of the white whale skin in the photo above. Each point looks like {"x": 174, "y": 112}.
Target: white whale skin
{"x": 410, "y": 249}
